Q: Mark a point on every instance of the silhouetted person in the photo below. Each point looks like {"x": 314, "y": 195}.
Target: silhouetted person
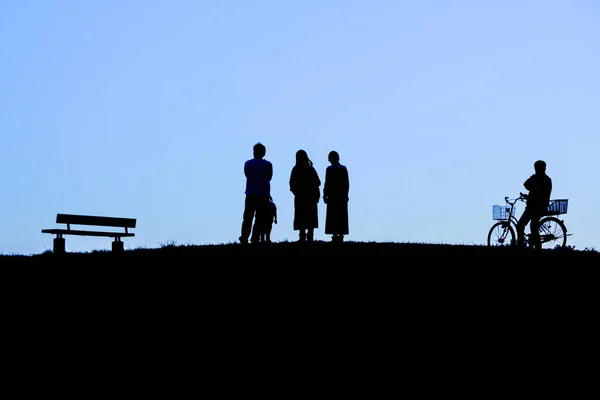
{"x": 265, "y": 222}
{"x": 304, "y": 184}
{"x": 259, "y": 173}
{"x": 335, "y": 195}
{"x": 539, "y": 186}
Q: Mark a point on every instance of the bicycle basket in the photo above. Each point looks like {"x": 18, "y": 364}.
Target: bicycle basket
{"x": 558, "y": 206}
{"x": 500, "y": 212}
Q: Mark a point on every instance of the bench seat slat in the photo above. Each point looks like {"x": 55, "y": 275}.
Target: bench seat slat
{"x": 87, "y": 233}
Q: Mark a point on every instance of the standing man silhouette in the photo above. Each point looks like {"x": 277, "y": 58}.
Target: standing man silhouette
{"x": 539, "y": 186}
{"x": 259, "y": 173}
{"x": 335, "y": 195}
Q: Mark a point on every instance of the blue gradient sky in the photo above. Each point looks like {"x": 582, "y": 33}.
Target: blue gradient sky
{"x": 149, "y": 109}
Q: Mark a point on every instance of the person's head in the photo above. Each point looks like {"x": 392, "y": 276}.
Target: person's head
{"x": 333, "y": 157}
{"x": 259, "y": 150}
{"x": 539, "y": 166}
{"x": 302, "y": 158}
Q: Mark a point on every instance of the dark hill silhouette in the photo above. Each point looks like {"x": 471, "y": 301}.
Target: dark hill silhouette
{"x": 231, "y": 289}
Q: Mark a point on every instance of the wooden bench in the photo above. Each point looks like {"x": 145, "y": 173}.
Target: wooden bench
{"x": 91, "y": 220}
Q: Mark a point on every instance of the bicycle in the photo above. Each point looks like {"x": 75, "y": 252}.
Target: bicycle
{"x": 553, "y": 231}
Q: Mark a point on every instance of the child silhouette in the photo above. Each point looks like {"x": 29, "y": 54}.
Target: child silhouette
{"x": 266, "y": 221}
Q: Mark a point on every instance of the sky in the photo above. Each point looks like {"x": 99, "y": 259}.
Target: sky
{"x": 148, "y": 109}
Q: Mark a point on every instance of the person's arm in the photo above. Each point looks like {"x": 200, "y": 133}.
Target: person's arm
{"x": 528, "y": 182}
{"x": 270, "y": 171}
{"x": 346, "y": 183}
{"x": 317, "y": 179}
{"x": 293, "y": 181}
{"x": 325, "y": 187}
{"x": 317, "y": 183}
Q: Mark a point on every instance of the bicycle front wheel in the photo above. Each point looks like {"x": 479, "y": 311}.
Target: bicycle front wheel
{"x": 553, "y": 233}
{"x": 501, "y": 234}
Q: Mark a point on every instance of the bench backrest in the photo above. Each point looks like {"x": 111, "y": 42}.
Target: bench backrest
{"x": 95, "y": 220}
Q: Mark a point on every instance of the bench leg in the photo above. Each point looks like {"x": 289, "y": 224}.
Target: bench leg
{"x": 59, "y": 245}
{"x": 118, "y": 246}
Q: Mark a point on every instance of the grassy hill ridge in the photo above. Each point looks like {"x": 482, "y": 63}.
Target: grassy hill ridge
{"x": 321, "y": 252}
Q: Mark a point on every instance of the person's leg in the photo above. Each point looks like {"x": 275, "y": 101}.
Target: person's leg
{"x": 268, "y": 231}
{"x": 248, "y": 217}
{"x": 259, "y": 228}
{"x": 302, "y": 235}
{"x": 261, "y": 204}
{"x": 255, "y": 236}
{"x": 310, "y": 235}
{"x": 534, "y": 227}
{"x": 521, "y": 224}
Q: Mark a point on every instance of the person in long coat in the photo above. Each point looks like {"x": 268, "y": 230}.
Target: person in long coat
{"x": 335, "y": 195}
{"x": 305, "y": 185}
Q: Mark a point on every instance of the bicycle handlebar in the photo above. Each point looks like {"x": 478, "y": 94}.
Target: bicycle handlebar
{"x": 522, "y": 197}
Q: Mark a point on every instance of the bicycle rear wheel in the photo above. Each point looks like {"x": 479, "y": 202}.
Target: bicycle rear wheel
{"x": 553, "y": 233}
{"x": 501, "y": 234}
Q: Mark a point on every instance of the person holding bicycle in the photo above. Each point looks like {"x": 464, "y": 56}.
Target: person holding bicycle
{"x": 539, "y": 186}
